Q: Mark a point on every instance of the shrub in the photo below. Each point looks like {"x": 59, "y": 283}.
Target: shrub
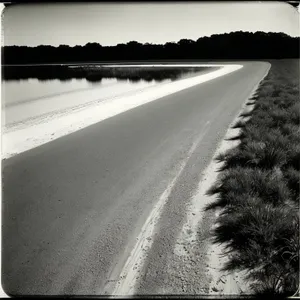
{"x": 262, "y": 239}
{"x": 267, "y": 185}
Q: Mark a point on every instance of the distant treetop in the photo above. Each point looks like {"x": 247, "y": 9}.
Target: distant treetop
{"x": 234, "y": 45}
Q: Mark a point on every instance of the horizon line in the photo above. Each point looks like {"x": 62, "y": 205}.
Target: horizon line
{"x": 125, "y": 43}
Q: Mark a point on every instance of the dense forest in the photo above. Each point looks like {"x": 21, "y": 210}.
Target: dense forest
{"x": 235, "y": 45}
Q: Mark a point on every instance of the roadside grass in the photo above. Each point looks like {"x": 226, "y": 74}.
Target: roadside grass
{"x": 258, "y": 188}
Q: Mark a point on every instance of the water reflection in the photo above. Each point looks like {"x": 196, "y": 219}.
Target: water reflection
{"x": 94, "y": 73}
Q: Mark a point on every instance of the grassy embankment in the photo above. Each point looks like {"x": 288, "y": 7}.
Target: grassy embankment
{"x": 96, "y": 73}
{"x": 258, "y": 188}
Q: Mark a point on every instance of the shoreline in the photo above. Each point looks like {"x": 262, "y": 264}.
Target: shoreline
{"x": 27, "y": 138}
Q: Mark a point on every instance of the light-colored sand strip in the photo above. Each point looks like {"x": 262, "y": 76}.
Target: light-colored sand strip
{"x": 18, "y": 141}
{"x": 134, "y": 263}
{"x": 221, "y": 283}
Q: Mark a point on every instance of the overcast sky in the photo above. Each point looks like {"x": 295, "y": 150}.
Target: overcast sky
{"x": 113, "y": 23}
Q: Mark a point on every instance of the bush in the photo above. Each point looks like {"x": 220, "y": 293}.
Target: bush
{"x": 267, "y": 185}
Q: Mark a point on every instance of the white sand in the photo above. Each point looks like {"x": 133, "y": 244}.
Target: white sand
{"x": 221, "y": 283}
{"x": 137, "y": 257}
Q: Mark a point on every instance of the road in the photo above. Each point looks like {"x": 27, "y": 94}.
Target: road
{"x": 73, "y": 208}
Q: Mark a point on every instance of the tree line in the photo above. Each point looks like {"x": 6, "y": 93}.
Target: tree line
{"x": 234, "y": 45}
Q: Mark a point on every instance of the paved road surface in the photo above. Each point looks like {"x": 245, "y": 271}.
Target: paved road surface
{"x": 72, "y": 208}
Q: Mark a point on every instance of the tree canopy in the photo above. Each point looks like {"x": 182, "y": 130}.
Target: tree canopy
{"x": 234, "y": 45}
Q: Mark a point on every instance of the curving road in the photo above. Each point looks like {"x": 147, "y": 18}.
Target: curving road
{"x": 73, "y": 208}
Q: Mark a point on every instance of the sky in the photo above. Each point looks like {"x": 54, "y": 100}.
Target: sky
{"x": 157, "y": 23}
